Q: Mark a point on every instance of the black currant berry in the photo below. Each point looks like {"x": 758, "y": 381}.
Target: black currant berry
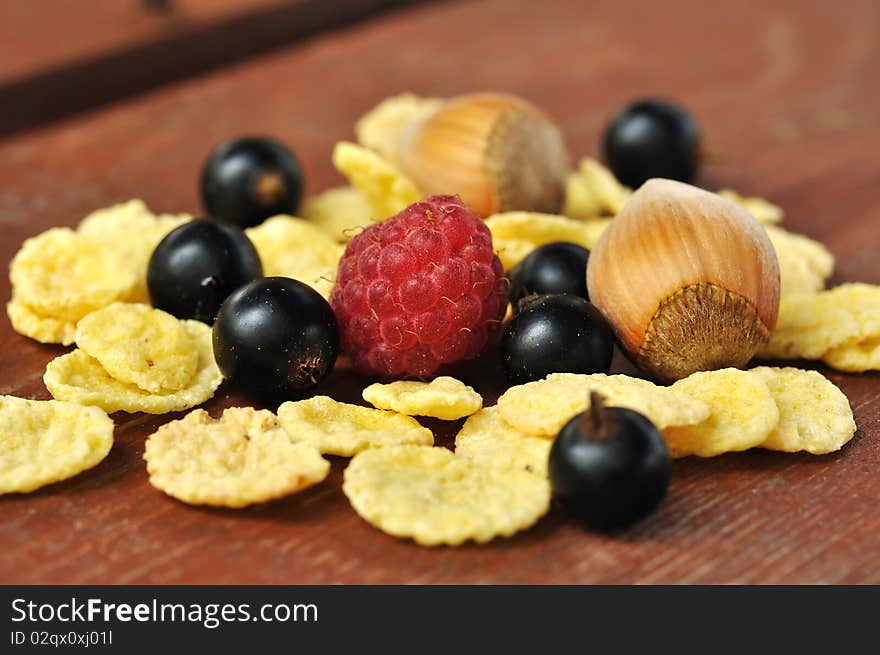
{"x": 609, "y": 466}
{"x": 558, "y": 267}
{"x": 247, "y": 180}
{"x": 557, "y": 333}
{"x": 197, "y": 265}
{"x": 276, "y": 338}
{"x": 652, "y": 138}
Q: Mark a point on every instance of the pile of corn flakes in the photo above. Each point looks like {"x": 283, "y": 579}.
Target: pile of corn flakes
{"x": 88, "y": 287}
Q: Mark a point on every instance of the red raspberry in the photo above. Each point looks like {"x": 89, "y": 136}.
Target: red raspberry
{"x": 422, "y": 289}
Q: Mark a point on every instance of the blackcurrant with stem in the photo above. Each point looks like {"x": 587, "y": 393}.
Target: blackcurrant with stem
{"x": 249, "y": 179}
{"x": 276, "y": 339}
{"x": 609, "y": 466}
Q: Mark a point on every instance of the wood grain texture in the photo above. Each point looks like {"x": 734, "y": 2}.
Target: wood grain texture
{"x": 127, "y": 50}
{"x": 788, "y": 95}
{"x": 44, "y": 34}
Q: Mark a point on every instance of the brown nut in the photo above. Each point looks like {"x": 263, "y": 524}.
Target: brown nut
{"x": 688, "y": 280}
{"x": 498, "y": 152}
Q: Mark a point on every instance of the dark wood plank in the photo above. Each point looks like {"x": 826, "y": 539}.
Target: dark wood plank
{"x": 45, "y": 34}
{"x": 130, "y": 51}
{"x": 788, "y": 94}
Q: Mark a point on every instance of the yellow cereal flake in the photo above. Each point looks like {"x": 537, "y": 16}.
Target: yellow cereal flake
{"x": 336, "y": 428}
{"x": 79, "y": 378}
{"x": 841, "y": 323}
{"x": 139, "y": 345}
{"x": 386, "y": 189}
{"x": 63, "y": 275}
{"x": 44, "y": 329}
{"x": 45, "y": 441}
{"x": 808, "y": 326}
{"x": 862, "y": 302}
{"x": 379, "y": 129}
{"x": 855, "y": 357}
{"x": 796, "y": 275}
{"x": 763, "y": 210}
{"x": 512, "y": 251}
{"x": 816, "y": 255}
{"x": 242, "y": 458}
{"x": 293, "y": 247}
{"x": 516, "y": 234}
{"x": 861, "y": 351}
{"x": 743, "y": 413}
{"x": 543, "y": 407}
{"x": 804, "y": 264}
{"x": 131, "y": 231}
{"x": 341, "y": 212}
{"x": 814, "y": 415}
{"x": 444, "y": 397}
{"x": 434, "y": 497}
{"x": 487, "y": 440}
{"x": 593, "y": 192}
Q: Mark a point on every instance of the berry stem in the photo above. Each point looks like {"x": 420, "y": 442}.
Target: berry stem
{"x": 270, "y": 188}
{"x": 525, "y": 300}
{"x": 596, "y": 422}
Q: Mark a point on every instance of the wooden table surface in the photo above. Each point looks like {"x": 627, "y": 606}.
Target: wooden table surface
{"x": 45, "y": 34}
{"x": 788, "y": 95}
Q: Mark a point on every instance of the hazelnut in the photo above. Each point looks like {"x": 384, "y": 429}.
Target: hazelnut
{"x": 497, "y": 152}
{"x": 688, "y": 280}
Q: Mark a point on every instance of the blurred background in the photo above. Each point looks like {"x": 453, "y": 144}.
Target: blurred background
{"x": 786, "y": 90}
{"x": 58, "y": 57}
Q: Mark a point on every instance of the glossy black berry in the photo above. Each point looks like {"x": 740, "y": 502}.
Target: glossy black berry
{"x": 558, "y": 267}
{"x": 652, "y": 138}
{"x": 609, "y": 466}
{"x": 276, "y": 338}
{"x": 197, "y": 265}
{"x": 247, "y": 180}
{"x": 557, "y": 333}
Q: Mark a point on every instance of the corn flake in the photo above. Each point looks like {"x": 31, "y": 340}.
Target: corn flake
{"x": 743, "y": 413}
{"x": 77, "y": 377}
{"x": 814, "y": 415}
{"x": 430, "y": 495}
{"x": 341, "y": 212}
{"x": 132, "y": 232}
{"x": 543, "y": 407}
{"x": 444, "y": 398}
{"x": 379, "y": 129}
{"x": 44, "y": 329}
{"x": 242, "y": 458}
{"x": 45, "y": 441}
{"x": 293, "y": 247}
{"x": 762, "y": 210}
{"x": 860, "y": 352}
{"x": 862, "y": 302}
{"x": 485, "y": 438}
{"x": 337, "y": 428}
{"x": 387, "y": 189}
{"x": 804, "y": 264}
{"x": 593, "y": 192}
{"x": 840, "y": 324}
{"x": 855, "y": 357}
{"x": 139, "y": 345}
{"x": 516, "y": 234}
{"x": 808, "y": 326}
{"x": 63, "y": 275}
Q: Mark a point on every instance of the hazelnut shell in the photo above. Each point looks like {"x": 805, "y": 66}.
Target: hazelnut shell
{"x": 498, "y": 152}
{"x": 688, "y": 280}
